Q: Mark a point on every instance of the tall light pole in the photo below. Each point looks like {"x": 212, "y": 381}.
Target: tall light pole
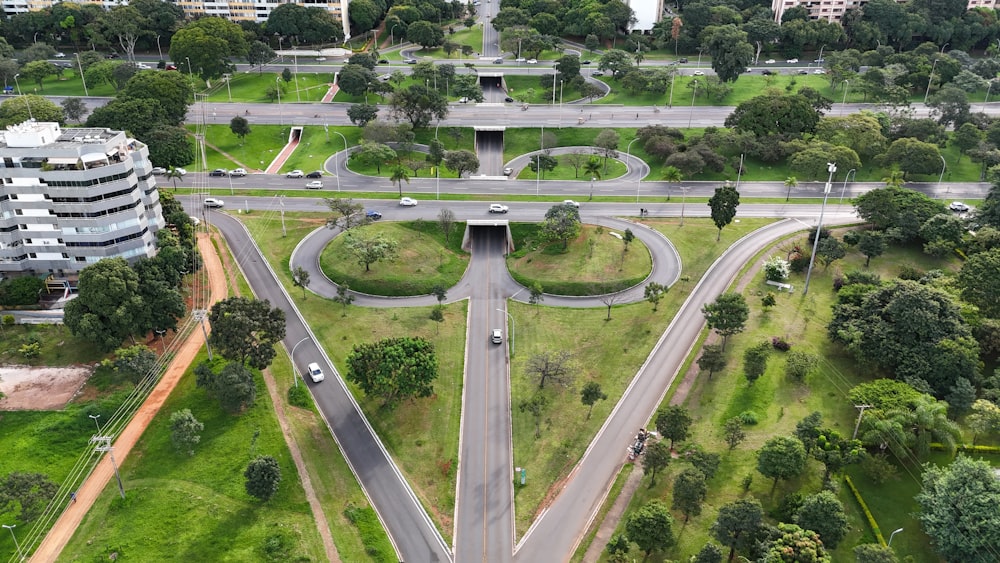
{"x": 693, "y": 96}
{"x": 87, "y": 92}
{"x": 437, "y": 168}
{"x": 336, "y": 159}
{"x": 894, "y": 532}
{"x": 988, "y": 88}
{"x": 628, "y": 152}
{"x": 511, "y": 330}
{"x": 538, "y": 160}
{"x": 190, "y": 70}
{"x": 277, "y": 89}
{"x": 684, "y": 193}
{"x": 820, "y": 58}
{"x": 819, "y": 226}
{"x": 930, "y": 78}
{"x": 105, "y": 446}
{"x": 847, "y": 86}
{"x": 11, "y": 527}
{"x": 943, "y": 166}
{"x": 281, "y": 203}
{"x": 94, "y": 417}
{"x": 18, "y": 83}
{"x": 843, "y": 189}
{"x": 673, "y": 80}
{"x": 291, "y": 356}
{"x": 739, "y": 173}
{"x": 391, "y": 39}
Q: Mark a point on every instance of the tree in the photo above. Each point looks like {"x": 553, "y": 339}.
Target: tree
{"x": 425, "y": 34}
{"x": 673, "y": 423}
{"x": 872, "y": 245}
{"x": 672, "y": 175}
{"x": 808, "y": 430}
{"x": 369, "y": 248}
{"x": 774, "y": 114}
{"x": 712, "y": 359}
{"x": 169, "y": 146}
{"x": 344, "y": 297}
{"x": 135, "y": 363}
{"x": 300, "y": 278}
{"x": 690, "y": 491}
{"x": 536, "y": 294}
{"x": 124, "y": 24}
{"x": 755, "y": 361}
{"x": 781, "y": 457}
{"x": 234, "y": 387}
{"x": 185, "y": 431}
{"x": 419, "y": 104}
{"x": 958, "y": 509}
{"x": 551, "y": 366}
{"x": 607, "y": 140}
{"x": 259, "y": 53}
{"x": 394, "y": 368}
{"x": 461, "y": 161}
{"x": 795, "y": 544}
{"x": 263, "y": 475}
{"x": 723, "y": 205}
{"x": 173, "y": 174}
{"x": 657, "y": 457}
{"x": 651, "y": 527}
{"x": 32, "y": 492}
{"x": 210, "y": 43}
{"x": 535, "y": 406}
{"x": 874, "y": 553}
{"x": 616, "y": 61}
{"x": 562, "y": 222}
{"x": 913, "y": 156}
{"x": 246, "y": 330}
{"x": 737, "y": 524}
{"x": 824, "y": 514}
{"x": 14, "y": 110}
{"x": 399, "y": 175}
{"x": 830, "y": 250}
{"x": 734, "y": 432}
{"x": 171, "y": 90}
{"x": 730, "y": 51}
{"x": 654, "y": 292}
{"x": 108, "y": 306}
{"x": 966, "y": 138}
{"x": 446, "y": 221}
{"x": 38, "y": 71}
{"x": 590, "y": 394}
{"x": 985, "y": 418}
{"x": 346, "y": 214}
{"x": 362, "y": 114}
{"x": 240, "y": 127}
{"x": 727, "y": 315}
{"x": 980, "y": 283}
{"x": 356, "y": 80}
{"x": 709, "y": 553}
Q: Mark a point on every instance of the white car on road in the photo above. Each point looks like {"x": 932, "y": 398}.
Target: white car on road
{"x": 238, "y": 172}
{"x": 214, "y": 203}
{"x": 407, "y": 202}
{"x": 314, "y": 185}
{"x": 769, "y": 62}
{"x": 958, "y": 206}
{"x": 571, "y": 202}
{"x": 295, "y": 174}
{"x": 498, "y": 208}
{"x": 315, "y": 373}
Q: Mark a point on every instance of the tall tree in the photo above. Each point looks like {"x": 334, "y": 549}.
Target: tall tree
{"x": 731, "y": 53}
{"x": 755, "y": 361}
{"x": 259, "y": 53}
{"x": 300, "y": 278}
{"x": 656, "y": 458}
{"x": 712, "y": 359}
{"x": 246, "y": 330}
{"x": 781, "y": 457}
{"x": 673, "y": 423}
{"x": 651, "y": 527}
{"x": 690, "y": 491}
{"x": 590, "y": 394}
{"x": 419, "y": 104}
{"x": 734, "y": 432}
{"x": 461, "y": 161}
{"x": 796, "y": 544}
{"x": 562, "y": 222}
{"x": 824, "y": 514}
{"x": 369, "y": 248}
{"x": 30, "y": 492}
{"x": 727, "y": 315}
{"x": 553, "y": 367}
{"x": 185, "y": 431}
{"x": 737, "y": 524}
{"x": 723, "y": 205}
{"x": 446, "y": 221}
{"x": 654, "y": 292}
{"x": 958, "y": 509}
{"x": 108, "y": 306}
{"x": 872, "y": 245}
{"x": 980, "y": 283}
{"x": 394, "y": 368}
{"x": 535, "y": 406}
{"x": 240, "y": 127}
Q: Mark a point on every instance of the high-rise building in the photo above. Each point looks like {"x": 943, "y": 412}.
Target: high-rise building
{"x": 71, "y": 197}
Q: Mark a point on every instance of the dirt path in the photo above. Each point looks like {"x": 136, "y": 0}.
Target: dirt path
{"x": 87, "y": 494}
{"x": 322, "y": 525}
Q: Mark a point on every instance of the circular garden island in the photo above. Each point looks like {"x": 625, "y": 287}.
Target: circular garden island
{"x": 422, "y": 258}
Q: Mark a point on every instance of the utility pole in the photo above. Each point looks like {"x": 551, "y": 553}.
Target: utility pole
{"x": 857, "y": 425}
{"x": 104, "y": 445}
{"x": 199, "y": 315}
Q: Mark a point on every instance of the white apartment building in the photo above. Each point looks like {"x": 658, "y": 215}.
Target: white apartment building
{"x": 70, "y": 197}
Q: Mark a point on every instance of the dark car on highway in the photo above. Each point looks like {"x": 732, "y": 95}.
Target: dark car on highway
{"x": 373, "y": 215}
{"x": 219, "y": 172}
{"x": 316, "y": 174}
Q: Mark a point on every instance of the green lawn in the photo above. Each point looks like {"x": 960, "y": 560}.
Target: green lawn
{"x": 580, "y": 269}
{"x": 264, "y": 142}
{"x": 608, "y": 352}
{"x": 58, "y": 346}
{"x": 424, "y": 260}
{"x": 780, "y": 404}
{"x": 421, "y": 435}
{"x": 566, "y": 171}
{"x": 532, "y": 90}
{"x": 251, "y": 87}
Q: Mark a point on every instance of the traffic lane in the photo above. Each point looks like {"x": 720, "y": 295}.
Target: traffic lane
{"x": 409, "y": 527}
{"x": 562, "y": 526}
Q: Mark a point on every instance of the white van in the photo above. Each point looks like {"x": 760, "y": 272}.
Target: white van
{"x": 315, "y": 373}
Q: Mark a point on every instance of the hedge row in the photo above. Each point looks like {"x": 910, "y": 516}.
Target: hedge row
{"x": 968, "y": 448}
{"x": 576, "y": 288}
{"x": 864, "y": 508}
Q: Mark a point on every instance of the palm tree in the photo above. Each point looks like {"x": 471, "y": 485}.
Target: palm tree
{"x": 928, "y": 421}
{"x": 399, "y": 175}
{"x": 895, "y": 179}
{"x": 174, "y": 174}
{"x": 593, "y": 168}
{"x": 886, "y": 433}
{"x": 790, "y": 182}
{"x": 672, "y": 175}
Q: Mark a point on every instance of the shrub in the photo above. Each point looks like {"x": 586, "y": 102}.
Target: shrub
{"x": 910, "y": 273}
{"x": 747, "y": 481}
{"x": 825, "y": 233}
{"x": 748, "y": 418}
{"x": 862, "y": 277}
{"x": 780, "y": 344}
{"x": 776, "y": 269}
{"x": 20, "y": 291}
{"x": 838, "y": 282}
{"x": 852, "y": 238}
{"x": 799, "y": 263}
{"x": 878, "y": 468}
{"x": 298, "y": 396}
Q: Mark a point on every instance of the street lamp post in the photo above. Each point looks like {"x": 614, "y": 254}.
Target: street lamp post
{"x": 628, "y": 152}
{"x": 843, "y": 189}
{"x": 989, "y": 86}
{"x": 894, "y": 532}
{"x": 943, "y": 166}
{"x": 18, "y": 83}
{"x": 437, "y": 168}
{"x": 538, "y": 159}
{"x": 94, "y": 417}
{"x": 819, "y": 226}
{"x": 87, "y": 92}
{"x": 281, "y": 203}
{"x": 160, "y": 332}
{"x": 336, "y": 159}
{"x": 930, "y": 78}
{"x": 684, "y": 192}
{"x": 592, "y": 178}
{"x": 26, "y": 103}
{"x": 291, "y": 356}
{"x": 392, "y": 40}
{"x": 693, "y": 96}
{"x": 673, "y": 80}
{"x": 847, "y": 86}
{"x": 820, "y": 58}
{"x": 739, "y": 173}
{"x": 190, "y": 70}
{"x": 11, "y": 527}
{"x": 277, "y": 89}
{"x": 511, "y": 330}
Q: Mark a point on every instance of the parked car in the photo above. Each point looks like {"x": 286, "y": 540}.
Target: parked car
{"x": 496, "y": 336}
{"x": 315, "y": 373}
{"x": 218, "y": 172}
{"x": 508, "y": 171}
{"x": 315, "y": 174}
{"x": 958, "y": 206}
{"x": 407, "y": 202}
{"x": 571, "y": 202}
{"x": 214, "y": 203}
{"x": 295, "y": 174}
{"x": 498, "y": 208}
{"x": 239, "y": 172}
{"x": 373, "y": 215}
{"x": 314, "y": 185}
{"x": 159, "y": 170}
{"x": 170, "y": 66}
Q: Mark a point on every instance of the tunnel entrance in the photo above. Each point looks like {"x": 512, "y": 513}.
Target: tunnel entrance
{"x": 487, "y": 227}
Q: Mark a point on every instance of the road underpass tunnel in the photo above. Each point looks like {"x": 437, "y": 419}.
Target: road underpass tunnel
{"x": 488, "y": 233}
{"x": 489, "y": 150}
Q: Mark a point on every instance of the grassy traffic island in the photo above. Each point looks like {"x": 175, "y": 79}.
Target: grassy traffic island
{"x": 594, "y": 263}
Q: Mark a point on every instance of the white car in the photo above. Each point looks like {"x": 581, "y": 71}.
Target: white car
{"x": 463, "y": 100}
{"x": 532, "y": 61}
{"x": 142, "y": 66}
{"x": 699, "y": 73}
{"x": 181, "y": 171}
{"x": 792, "y": 61}
{"x": 315, "y": 373}
{"x": 238, "y": 172}
{"x": 314, "y": 185}
{"x": 819, "y": 71}
{"x": 295, "y": 174}
{"x": 159, "y": 170}
{"x": 508, "y": 171}
{"x": 520, "y": 60}
{"x": 571, "y": 202}
{"x": 407, "y": 202}
{"x": 958, "y": 206}
{"x": 496, "y": 336}
{"x": 214, "y": 203}
{"x": 769, "y": 62}
{"x": 60, "y": 55}
{"x": 498, "y": 208}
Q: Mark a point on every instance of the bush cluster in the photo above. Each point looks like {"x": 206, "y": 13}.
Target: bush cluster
{"x": 780, "y": 344}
